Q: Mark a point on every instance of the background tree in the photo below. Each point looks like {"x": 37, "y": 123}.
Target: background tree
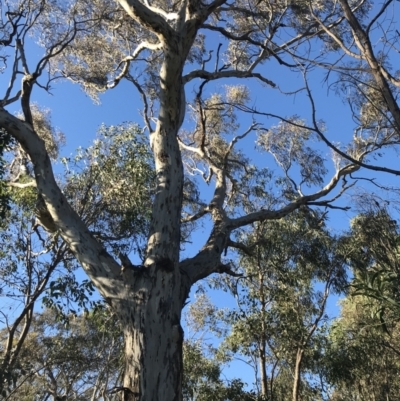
{"x": 35, "y": 264}
{"x": 81, "y": 361}
{"x": 373, "y": 253}
{"x": 5, "y": 140}
{"x": 161, "y": 47}
{"x": 202, "y": 379}
{"x": 289, "y": 268}
{"x": 84, "y": 361}
{"x": 29, "y": 257}
{"x": 361, "y": 361}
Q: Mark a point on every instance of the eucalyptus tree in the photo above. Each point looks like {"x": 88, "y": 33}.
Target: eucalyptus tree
{"x": 289, "y": 267}
{"x": 202, "y": 379}
{"x": 361, "y": 355}
{"x": 165, "y": 50}
{"x": 36, "y": 265}
{"x": 372, "y": 248}
{"x": 80, "y": 361}
{"x": 361, "y": 359}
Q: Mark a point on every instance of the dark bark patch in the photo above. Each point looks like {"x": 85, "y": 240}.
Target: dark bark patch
{"x": 164, "y": 307}
{"x": 104, "y": 253}
{"x": 127, "y": 393}
{"x": 163, "y": 156}
{"x": 177, "y": 333}
{"x": 165, "y": 264}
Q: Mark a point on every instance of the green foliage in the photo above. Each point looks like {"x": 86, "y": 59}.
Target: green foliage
{"x": 111, "y": 184}
{"x": 361, "y": 362}
{"x": 66, "y": 296}
{"x": 28, "y": 259}
{"x": 373, "y": 250}
{"x": 202, "y": 379}
{"x": 37, "y": 266}
{"x": 289, "y": 268}
{"x": 289, "y": 143}
{"x": 5, "y": 141}
{"x": 85, "y": 359}
{"x": 82, "y": 360}
{"x": 361, "y": 358}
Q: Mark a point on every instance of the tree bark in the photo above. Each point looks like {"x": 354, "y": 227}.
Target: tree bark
{"x": 263, "y": 340}
{"x": 150, "y": 314}
{"x": 263, "y": 373}
{"x": 150, "y": 310}
{"x": 297, "y": 371}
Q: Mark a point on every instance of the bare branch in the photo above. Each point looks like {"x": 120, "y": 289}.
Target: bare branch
{"x": 336, "y": 149}
{"x": 238, "y": 245}
{"x": 145, "y": 102}
{"x": 303, "y": 200}
{"x": 6, "y": 102}
{"x": 22, "y": 53}
{"x": 14, "y": 24}
{"x": 21, "y": 185}
{"x": 385, "y": 5}
{"x": 334, "y": 37}
{"x": 196, "y": 216}
{"x": 148, "y": 18}
{"x": 13, "y": 346}
{"x": 210, "y": 76}
{"x": 238, "y": 138}
{"x": 127, "y": 61}
{"x": 94, "y": 258}
{"x": 364, "y": 44}
{"x": 226, "y": 268}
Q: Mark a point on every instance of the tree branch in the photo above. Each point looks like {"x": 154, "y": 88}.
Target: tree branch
{"x": 196, "y": 216}
{"x": 303, "y": 200}
{"x": 363, "y": 43}
{"x": 21, "y": 185}
{"x": 226, "y": 268}
{"x": 210, "y": 76}
{"x": 336, "y": 149}
{"x": 148, "y": 18}
{"x": 90, "y": 253}
{"x": 208, "y": 259}
{"x": 238, "y": 245}
{"x": 127, "y": 61}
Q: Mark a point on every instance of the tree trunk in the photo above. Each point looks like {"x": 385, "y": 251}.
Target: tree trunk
{"x": 150, "y": 314}
{"x": 150, "y": 307}
{"x": 297, "y": 371}
{"x": 263, "y": 341}
{"x": 263, "y": 376}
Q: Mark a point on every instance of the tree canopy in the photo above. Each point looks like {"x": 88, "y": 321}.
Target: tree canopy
{"x": 217, "y": 81}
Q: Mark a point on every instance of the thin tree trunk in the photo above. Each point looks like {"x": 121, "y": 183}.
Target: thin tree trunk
{"x": 264, "y": 377}
{"x": 297, "y": 371}
{"x": 263, "y": 345}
